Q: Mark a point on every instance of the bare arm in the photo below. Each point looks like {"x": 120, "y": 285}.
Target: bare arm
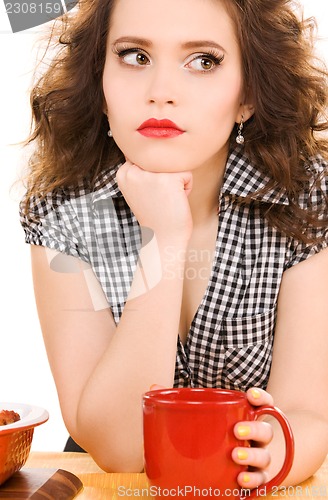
{"x": 298, "y": 379}
{"x": 101, "y": 371}
{"x": 299, "y": 375}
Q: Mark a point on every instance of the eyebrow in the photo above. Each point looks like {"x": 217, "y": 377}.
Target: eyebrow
{"x": 133, "y": 39}
{"x": 197, "y": 44}
{"x": 202, "y": 43}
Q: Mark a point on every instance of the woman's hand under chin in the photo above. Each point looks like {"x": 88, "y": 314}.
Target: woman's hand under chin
{"x": 158, "y": 200}
{"x": 257, "y": 457}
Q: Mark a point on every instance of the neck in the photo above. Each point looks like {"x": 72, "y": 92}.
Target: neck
{"x": 204, "y": 197}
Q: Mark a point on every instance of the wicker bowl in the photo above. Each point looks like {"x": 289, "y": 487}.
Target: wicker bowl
{"x": 16, "y": 438}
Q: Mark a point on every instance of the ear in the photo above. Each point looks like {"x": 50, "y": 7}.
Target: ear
{"x": 105, "y": 108}
{"x": 246, "y": 108}
{"x": 245, "y": 111}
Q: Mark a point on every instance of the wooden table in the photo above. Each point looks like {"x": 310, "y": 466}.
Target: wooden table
{"x": 102, "y": 486}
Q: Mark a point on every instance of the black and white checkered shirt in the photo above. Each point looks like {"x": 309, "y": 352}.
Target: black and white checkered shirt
{"x": 230, "y": 339}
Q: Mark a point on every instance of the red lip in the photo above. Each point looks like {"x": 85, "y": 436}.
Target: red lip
{"x": 159, "y": 128}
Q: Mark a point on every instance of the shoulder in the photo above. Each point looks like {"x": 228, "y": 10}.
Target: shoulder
{"x": 313, "y": 200}
{"x": 315, "y": 194}
{"x": 60, "y": 219}
{"x": 48, "y": 220}
{"x": 42, "y": 204}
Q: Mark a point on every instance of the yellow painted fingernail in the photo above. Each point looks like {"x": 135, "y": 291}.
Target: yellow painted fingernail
{"x": 246, "y": 478}
{"x": 242, "y": 454}
{"x": 244, "y": 430}
{"x": 256, "y": 393}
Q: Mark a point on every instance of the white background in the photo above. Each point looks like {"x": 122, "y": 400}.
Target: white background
{"x": 24, "y": 373}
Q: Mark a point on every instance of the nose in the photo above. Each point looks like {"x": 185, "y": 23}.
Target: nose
{"x": 162, "y": 89}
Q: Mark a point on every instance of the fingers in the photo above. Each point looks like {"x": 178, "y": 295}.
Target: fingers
{"x": 250, "y": 480}
{"x": 122, "y": 171}
{"x": 254, "y": 430}
{"x": 156, "y": 387}
{"x": 253, "y": 457}
{"x": 256, "y": 457}
{"x": 133, "y": 172}
{"x": 187, "y": 179}
{"x": 258, "y": 397}
{"x": 125, "y": 169}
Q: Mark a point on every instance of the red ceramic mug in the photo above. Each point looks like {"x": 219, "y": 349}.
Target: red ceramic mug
{"x": 188, "y": 441}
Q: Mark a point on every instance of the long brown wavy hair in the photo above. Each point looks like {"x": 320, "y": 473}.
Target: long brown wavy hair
{"x": 287, "y": 84}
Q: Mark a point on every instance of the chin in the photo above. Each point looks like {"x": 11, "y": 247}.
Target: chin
{"x": 160, "y": 157}
{"x": 159, "y": 164}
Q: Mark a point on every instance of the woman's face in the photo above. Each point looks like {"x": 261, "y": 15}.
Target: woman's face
{"x": 175, "y": 60}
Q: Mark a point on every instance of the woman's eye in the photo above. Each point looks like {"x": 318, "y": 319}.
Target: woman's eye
{"x": 204, "y": 63}
{"x": 134, "y": 58}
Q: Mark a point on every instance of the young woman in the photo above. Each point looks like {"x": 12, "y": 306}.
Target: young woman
{"x": 177, "y": 208}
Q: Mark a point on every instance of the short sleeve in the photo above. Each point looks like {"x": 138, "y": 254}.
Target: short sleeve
{"x": 52, "y": 222}
{"x": 315, "y": 198}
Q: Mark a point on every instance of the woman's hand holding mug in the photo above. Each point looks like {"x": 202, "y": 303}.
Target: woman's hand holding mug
{"x": 195, "y": 440}
{"x": 260, "y": 433}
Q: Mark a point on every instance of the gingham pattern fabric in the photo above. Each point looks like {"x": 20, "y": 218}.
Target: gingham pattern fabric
{"x": 229, "y": 344}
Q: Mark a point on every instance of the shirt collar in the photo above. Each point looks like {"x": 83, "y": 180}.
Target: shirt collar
{"x": 241, "y": 179}
{"x": 107, "y": 187}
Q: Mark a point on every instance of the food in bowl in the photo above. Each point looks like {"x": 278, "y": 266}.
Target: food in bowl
{"x": 16, "y": 437}
{"x": 8, "y": 417}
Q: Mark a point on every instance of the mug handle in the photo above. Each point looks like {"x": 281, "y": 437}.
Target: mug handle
{"x": 289, "y": 440}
